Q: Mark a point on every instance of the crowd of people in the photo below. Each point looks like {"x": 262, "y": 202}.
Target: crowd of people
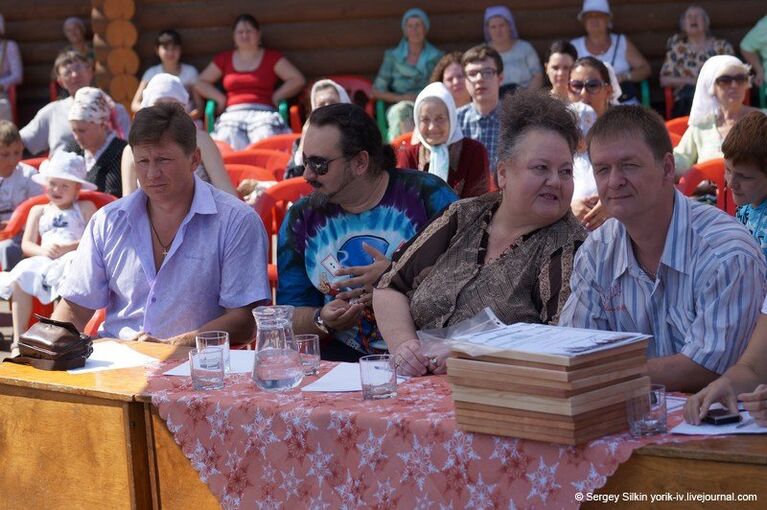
{"x": 541, "y": 190}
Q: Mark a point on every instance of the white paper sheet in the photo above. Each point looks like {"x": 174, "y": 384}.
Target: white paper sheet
{"x": 705, "y": 429}
{"x": 240, "y": 362}
{"x": 344, "y": 377}
{"x": 112, "y": 355}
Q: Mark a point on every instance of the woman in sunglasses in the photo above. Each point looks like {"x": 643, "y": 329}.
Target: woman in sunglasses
{"x": 511, "y": 250}
{"x": 717, "y": 106}
{"x": 592, "y": 83}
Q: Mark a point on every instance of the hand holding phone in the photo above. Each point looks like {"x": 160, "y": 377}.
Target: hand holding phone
{"x": 721, "y": 417}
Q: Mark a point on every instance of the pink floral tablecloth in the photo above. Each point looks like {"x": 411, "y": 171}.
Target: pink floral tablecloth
{"x": 320, "y": 450}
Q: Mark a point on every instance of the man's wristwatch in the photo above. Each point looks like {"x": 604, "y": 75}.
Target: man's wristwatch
{"x": 321, "y": 323}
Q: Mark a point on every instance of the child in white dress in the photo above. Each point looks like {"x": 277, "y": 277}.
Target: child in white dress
{"x": 51, "y": 236}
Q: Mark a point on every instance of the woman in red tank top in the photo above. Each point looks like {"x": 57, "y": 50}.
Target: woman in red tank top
{"x": 249, "y": 74}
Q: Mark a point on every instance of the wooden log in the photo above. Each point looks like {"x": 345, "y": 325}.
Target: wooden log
{"x": 122, "y": 61}
{"x": 44, "y": 9}
{"x": 119, "y": 9}
{"x": 122, "y": 87}
{"x": 121, "y": 33}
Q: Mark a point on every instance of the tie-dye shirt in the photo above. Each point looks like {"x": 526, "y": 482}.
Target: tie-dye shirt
{"x": 313, "y": 242}
{"x": 755, "y": 220}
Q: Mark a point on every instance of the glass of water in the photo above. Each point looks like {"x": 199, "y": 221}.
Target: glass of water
{"x": 277, "y": 364}
{"x": 308, "y": 347}
{"x": 215, "y": 339}
{"x": 378, "y": 375}
{"x": 646, "y": 412}
{"x": 207, "y": 368}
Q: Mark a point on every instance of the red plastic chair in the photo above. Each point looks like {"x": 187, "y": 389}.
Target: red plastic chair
{"x": 223, "y": 147}
{"x": 92, "y": 328}
{"x": 238, "y": 173}
{"x": 283, "y": 143}
{"x": 14, "y": 105}
{"x": 360, "y": 91}
{"x": 712, "y": 170}
{"x": 274, "y": 161}
{"x": 35, "y": 162}
{"x": 677, "y": 125}
{"x": 403, "y": 139}
{"x": 675, "y": 139}
{"x": 271, "y": 206}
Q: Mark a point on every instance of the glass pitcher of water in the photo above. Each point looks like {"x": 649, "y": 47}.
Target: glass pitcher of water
{"x": 284, "y": 312}
{"x": 277, "y": 365}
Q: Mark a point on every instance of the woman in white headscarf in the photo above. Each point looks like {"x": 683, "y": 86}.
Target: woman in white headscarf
{"x": 324, "y": 92}
{"x": 440, "y": 148}
{"x": 722, "y": 85}
{"x": 11, "y": 71}
{"x": 92, "y": 118}
{"x": 167, "y": 88}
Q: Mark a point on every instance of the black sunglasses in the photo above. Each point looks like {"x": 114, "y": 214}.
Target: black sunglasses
{"x": 727, "y": 79}
{"x": 318, "y": 165}
{"x": 591, "y": 86}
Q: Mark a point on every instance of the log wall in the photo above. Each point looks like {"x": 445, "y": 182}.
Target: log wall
{"x": 324, "y": 36}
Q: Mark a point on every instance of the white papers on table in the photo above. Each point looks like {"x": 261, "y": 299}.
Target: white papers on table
{"x": 544, "y": 339}
{"x": 240, "y": 362}
{"x": 673, "y": 403}
{"x": 342, "y": 378}
{"x": 111, "y": 355}
{"x": 705, "y": 429}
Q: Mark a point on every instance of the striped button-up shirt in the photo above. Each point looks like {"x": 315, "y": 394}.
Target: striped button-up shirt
{"x": 704, "y": 301}
{"x": 483, "y": 129}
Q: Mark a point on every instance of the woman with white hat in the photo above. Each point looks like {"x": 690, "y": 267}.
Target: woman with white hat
{"x": 615, "y": 49}
{"x": 717, "y": 105}
{"x": 167, "y": 88}
{"x": 440, "y": 147}
{"x": 51, "y": 236}
{"x": 92, "y": 118}
{"x": 11, "y": 71}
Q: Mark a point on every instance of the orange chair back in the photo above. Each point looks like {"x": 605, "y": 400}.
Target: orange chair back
{"x": 677, "y": 125}
{"x": 238, "y": 173}
{"x": 274, "y": 161}
{"x": 712, "y": 170}
{"x": 283, "y": 143}
{"x": 668, "y": 98}
{"x": 675, "y": 139}
{"x": 14, "y": 105}
{"x": 92, "y": 328}
{"x": 271, "y": 206}
{"x": 403, "y": 139}
{"x": 35, "y": 162}
{"x": 223, "y": 147}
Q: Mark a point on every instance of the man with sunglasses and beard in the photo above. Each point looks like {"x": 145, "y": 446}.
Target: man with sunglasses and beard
{"x": 686, "y": 273}
{"x": 336, "y": 243}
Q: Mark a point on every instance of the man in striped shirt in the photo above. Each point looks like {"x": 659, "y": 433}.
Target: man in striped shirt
{"x": 684, "y": 272}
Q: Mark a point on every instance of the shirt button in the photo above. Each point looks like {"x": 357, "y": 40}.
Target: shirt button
{"x": 154, "y": 300}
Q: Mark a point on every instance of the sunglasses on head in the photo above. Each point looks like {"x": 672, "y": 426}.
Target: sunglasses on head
{"x": 591, "y": 86}
{"x": 318, "y": 165}
{"x": 727, "y": 79}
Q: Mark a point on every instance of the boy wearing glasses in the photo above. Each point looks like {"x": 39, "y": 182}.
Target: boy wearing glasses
{"x": 336, "y": 243}
{"x": 483, "y": 68}
{"x": 50, "y": 129}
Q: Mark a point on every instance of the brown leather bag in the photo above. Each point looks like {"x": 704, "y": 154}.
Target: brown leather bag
{"x": 53, "y": 345}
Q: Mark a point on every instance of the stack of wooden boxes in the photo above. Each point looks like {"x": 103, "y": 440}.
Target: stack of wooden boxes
{"x": 560, "y": 399}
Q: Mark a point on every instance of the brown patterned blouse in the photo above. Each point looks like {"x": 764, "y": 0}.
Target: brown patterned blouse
{"x": 443, "y": 272}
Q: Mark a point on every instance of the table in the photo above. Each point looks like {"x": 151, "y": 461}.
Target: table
{"x": 95, "y": 441}
{"x": 75, "y": 441}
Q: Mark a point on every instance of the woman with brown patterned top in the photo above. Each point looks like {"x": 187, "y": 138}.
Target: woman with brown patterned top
{"x": 510, "y": 250}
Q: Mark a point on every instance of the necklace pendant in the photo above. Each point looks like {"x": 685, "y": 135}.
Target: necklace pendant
{"x": 165, "y": 253}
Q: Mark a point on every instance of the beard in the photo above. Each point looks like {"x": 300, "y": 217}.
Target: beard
{"x": 318, "y": 199}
